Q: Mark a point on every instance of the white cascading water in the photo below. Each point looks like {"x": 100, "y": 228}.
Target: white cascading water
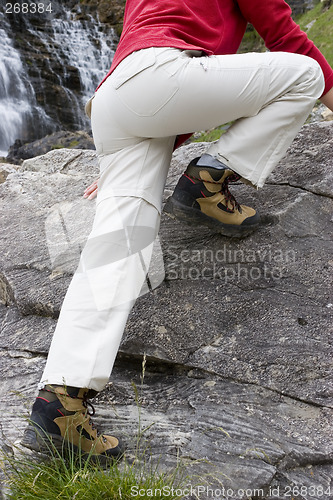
{"x": 82, "y": 44}
{"x": 15, "y": 98}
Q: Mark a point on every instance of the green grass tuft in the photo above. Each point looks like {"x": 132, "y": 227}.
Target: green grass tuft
{"x": 210, "y": 135}
{"x": 57, "y": 478}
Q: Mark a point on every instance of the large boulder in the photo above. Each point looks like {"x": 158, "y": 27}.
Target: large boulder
{"x": 235, "y": 342}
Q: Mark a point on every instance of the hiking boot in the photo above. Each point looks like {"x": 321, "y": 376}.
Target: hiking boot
{"x": 60, "y": 419}
{"x": 202, "y": 197}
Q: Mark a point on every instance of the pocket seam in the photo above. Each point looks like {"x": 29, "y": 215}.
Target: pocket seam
{"x": 126, "y": 75}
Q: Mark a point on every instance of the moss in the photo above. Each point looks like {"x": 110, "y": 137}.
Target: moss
{"x": 210, "y": 135}
{"x": 57, "y": 146}
{"x": 73, "y": 143}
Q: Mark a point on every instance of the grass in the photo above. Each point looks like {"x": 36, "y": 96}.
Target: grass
{"x": 318, "y": 25}
{"x": 57, "y": 478}
{"x": 210, "y": 135}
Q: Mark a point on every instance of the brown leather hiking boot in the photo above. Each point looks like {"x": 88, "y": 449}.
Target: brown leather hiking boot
{"x": 60, "y": 418}
{"x": 202, "y": 197}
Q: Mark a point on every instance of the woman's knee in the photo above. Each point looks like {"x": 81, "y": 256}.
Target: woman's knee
{"x": 317, "y": 81}
{"x": 312, "y": 81}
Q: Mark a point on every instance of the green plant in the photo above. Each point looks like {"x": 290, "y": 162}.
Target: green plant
{"x": 59, "y": 478}
{"x": 317, "y": 23}
{"x": 210, "y": 135}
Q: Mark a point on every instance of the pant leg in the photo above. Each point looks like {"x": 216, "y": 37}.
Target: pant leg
{"x": 254, "y": 145}
{"x": 112, "y": 269}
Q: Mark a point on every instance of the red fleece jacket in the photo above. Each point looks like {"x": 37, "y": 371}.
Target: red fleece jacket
{"x": 213, "y": 26}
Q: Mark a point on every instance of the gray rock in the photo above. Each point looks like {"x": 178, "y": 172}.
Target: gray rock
{"x": 238, "y": 373}
{"x": 5, "y": 170}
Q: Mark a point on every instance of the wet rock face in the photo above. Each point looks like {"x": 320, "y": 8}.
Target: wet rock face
{"x": 300, "y": 6}
{"x": 108, "y": 12}
{"x": 64, "y": 53}
{"x": 237, "y": 338}
{"x": 58, "y": 140}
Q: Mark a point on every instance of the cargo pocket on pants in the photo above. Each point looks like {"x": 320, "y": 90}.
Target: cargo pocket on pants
{"x": 142, "y": 86}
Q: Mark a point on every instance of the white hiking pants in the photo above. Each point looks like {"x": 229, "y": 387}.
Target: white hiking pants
{"x": 152, "y": 96}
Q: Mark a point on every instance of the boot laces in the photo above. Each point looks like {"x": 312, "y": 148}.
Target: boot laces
{"x": 228, "y": 196}
{"x": 225, "y": 190}
{"x": 89, "y": 406}
{"x": 90, "y": 409}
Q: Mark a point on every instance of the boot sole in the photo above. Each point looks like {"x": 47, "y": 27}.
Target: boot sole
{"x": 37, "y": 440}
{"x": 194, "y": 217}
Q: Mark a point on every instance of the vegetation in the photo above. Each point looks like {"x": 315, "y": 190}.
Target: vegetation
{"x": 57, "y": 478}
{"x": 318, "y": 24}
{"x": 210, "y": 135}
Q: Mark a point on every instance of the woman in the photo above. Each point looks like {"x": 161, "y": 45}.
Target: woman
{"x": 174, "y": 72}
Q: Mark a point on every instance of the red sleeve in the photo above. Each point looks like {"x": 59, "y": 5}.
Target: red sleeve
{"x": 272, "y": 20}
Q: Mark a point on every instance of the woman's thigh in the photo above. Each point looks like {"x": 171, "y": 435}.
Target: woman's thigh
{"x": 160, "y": 92}
{"x": 163, "y": 92}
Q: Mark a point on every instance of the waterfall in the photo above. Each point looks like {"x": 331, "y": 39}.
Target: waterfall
{"x": 85, "y": 46}
{"x": 17, "y": 97}
{"x": 49, "y": 66}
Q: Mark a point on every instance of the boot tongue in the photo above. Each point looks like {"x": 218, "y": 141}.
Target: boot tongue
{"x": 71, "y": 400}
{"x": 71, "y": 391}
{"x": 213, "y": 185}
{"x": 207, "y": 160}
